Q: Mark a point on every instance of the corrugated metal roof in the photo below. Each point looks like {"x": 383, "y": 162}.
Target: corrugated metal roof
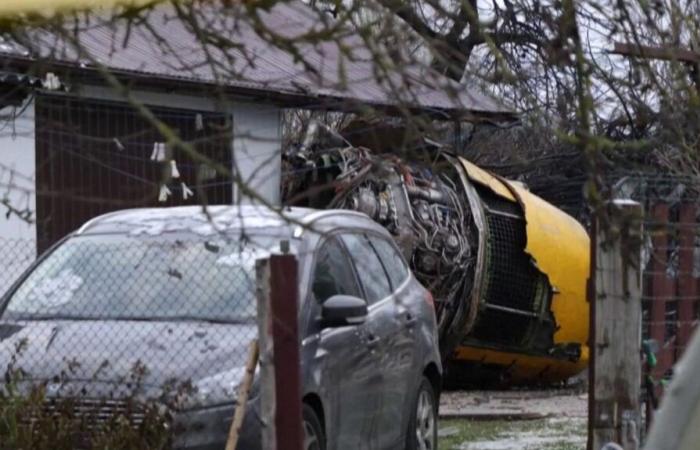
{"x": 341, "y": 72}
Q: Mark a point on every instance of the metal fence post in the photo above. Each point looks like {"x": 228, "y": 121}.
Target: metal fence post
{"x": 284, "y": 312}
{"x": 617, "y": 333}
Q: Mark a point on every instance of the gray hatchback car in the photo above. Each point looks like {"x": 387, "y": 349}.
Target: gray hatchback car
{"x": 173, "y": 289}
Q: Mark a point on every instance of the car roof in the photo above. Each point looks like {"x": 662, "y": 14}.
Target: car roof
{"x": 220, "y": 218}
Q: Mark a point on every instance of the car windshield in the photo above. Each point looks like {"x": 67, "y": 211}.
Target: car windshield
{"x": 126, "y": 278}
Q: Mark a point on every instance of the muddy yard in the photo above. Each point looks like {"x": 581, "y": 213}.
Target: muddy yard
{"x": 513, "y": 420}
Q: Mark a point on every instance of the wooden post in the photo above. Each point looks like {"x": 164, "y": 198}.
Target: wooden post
{"x": 617, "y": 334}
{"x": 266, "y": 358}
{"x": 284, "y": 296}
{"x": 591, "y": 298}
{"x": 242, "y": 400}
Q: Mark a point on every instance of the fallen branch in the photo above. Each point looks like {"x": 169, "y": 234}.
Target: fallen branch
{"x": 243, "y": 392}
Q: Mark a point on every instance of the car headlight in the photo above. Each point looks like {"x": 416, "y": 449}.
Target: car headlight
{"x": 217, "y": 389}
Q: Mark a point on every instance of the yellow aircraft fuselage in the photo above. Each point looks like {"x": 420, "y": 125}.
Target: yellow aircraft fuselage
{"x": 559, "y": 248}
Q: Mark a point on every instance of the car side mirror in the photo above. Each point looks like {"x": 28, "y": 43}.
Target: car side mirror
{"x": 343, "y": 310}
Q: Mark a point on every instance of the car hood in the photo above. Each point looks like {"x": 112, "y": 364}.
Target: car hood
{"x": 152, "y": 354}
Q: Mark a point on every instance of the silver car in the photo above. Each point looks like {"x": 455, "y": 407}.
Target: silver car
{"x": 173, "y": 289}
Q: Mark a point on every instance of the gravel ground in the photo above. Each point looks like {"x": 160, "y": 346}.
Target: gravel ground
{"x": 525, "y": 404}
{"x": 568, "y": 433}
{"x": 513, "y": 420}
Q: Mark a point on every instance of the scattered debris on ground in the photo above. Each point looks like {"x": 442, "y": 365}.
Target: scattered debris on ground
{"x": 513, "y": 404}
{"x": 513, "y": 420}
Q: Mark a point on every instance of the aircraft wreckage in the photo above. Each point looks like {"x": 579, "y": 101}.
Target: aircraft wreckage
{"x": 507, "y": 270}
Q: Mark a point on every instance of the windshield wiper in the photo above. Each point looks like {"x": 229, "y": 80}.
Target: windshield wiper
{"x": 184, "y": 318}
{"x": 232, "y": 321}
{"x": 46, "y": 317}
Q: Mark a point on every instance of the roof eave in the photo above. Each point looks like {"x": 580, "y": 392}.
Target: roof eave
{"x": 283, "y": 98}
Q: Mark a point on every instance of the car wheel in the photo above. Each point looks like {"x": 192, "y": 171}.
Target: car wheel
{"x": 422, "y": 427}
{"x": 314, "y": 439}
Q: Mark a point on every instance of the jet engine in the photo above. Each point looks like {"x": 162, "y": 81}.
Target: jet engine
{"x": 507, "y": 270}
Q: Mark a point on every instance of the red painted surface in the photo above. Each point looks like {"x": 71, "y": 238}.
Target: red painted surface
{"x": 687, "y": 283}
{"x": 661, "y": 286}
{"x": 285, "y": 334}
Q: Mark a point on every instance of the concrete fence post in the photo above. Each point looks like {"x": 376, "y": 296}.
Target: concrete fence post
{"x": 617, "y": 318}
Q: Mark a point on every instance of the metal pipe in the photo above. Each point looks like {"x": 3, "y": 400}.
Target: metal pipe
{"x": 511, "y": 310}
{"x": 429, "y": 194}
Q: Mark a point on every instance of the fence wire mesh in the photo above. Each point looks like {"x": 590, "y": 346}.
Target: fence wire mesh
{"x": 670, "y": 273}
{"x": 126, "y": 340}
{"x": 96, "y": 156}
{"x": 16, "y": 255}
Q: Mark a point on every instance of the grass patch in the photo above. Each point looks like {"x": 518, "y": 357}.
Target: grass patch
{"x": 543, "y": 434}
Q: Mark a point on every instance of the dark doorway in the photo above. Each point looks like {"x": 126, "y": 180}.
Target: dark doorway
{"x": 93, "y": 157}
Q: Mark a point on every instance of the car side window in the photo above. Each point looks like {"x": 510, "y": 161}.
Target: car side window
{"x": 369, "y": 268}
{"x": 393, "y": 262}
{"x": 333, "y": 273}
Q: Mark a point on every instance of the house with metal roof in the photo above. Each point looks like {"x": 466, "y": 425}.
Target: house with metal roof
{"x": 75, "y": 143}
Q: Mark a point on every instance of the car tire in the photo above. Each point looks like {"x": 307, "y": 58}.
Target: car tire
{"x": 422, "y": 426}
{"x": 314, "y": 437}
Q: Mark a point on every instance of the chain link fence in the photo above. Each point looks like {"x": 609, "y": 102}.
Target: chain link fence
{"x": 139, "y": 340}
{"x": 670, "y": 268}
{"x": 670, "y": 299}
{"x": 16, "y": 256}
{"x": 647, "y": 301}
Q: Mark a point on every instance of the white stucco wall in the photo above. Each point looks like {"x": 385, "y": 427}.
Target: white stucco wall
{"x": 17, "y": 175}
{"x": 257, "y": 150}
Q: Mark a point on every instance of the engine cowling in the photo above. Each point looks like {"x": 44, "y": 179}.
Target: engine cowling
{"x": 507, "y": 270}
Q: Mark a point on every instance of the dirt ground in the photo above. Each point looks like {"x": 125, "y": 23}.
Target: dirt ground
{"x": 513, "y": 420}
